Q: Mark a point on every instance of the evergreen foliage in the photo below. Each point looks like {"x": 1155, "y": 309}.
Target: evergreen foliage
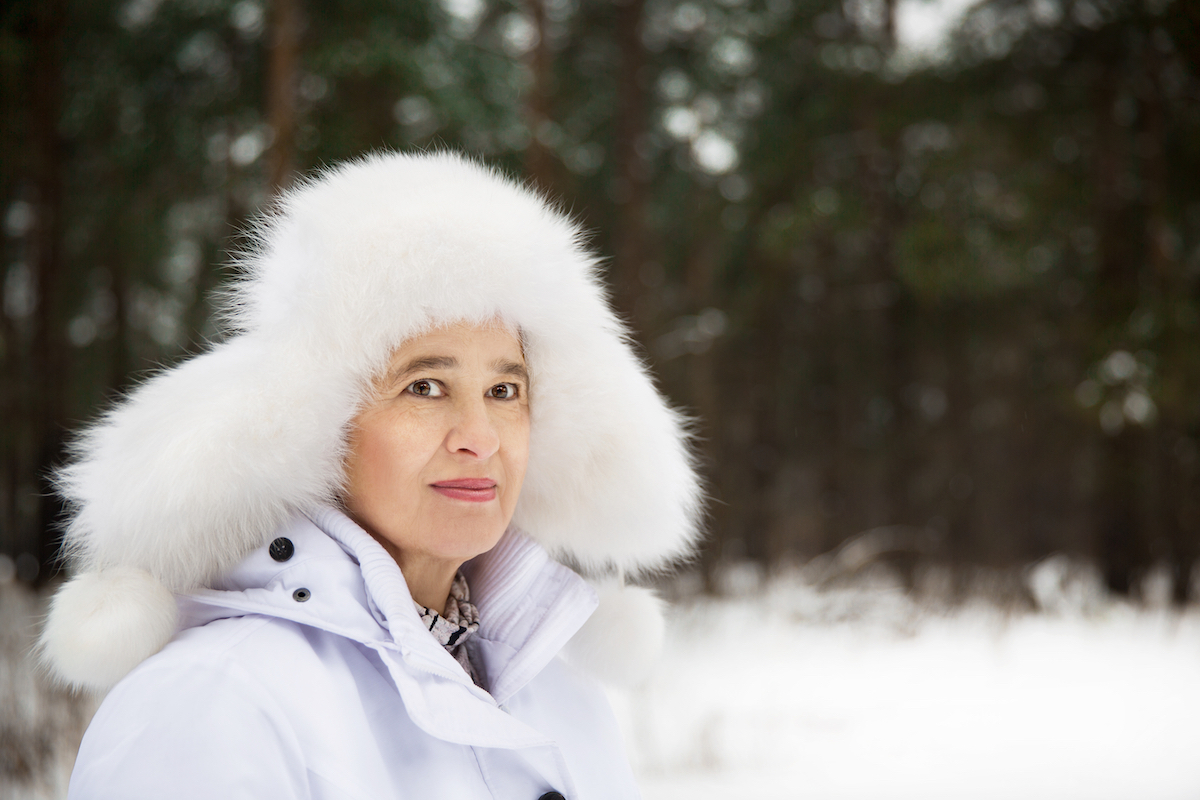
{"x": 951, "y": 304}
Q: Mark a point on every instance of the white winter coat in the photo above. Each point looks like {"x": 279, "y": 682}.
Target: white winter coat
{"x": 265, "y": 694}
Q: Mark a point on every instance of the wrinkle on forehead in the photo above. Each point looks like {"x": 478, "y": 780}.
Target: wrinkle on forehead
{"x": 397, "y": 368}
{"x": 501, "y": 367}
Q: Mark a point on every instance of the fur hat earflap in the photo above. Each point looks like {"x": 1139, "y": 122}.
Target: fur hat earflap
{"x": 198, "y": 466}
{"x": 621, "y": 642}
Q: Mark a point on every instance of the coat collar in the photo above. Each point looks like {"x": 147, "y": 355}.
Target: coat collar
{"x": 529, "y": 605}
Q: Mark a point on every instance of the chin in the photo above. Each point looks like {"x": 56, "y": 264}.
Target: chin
{"x": 466, "y": 539}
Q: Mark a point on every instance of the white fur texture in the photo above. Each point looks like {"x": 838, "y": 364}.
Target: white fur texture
{"x": 622, "y": 640}
{"x": 200, "y": 464}
{"x": 103, "y": 624}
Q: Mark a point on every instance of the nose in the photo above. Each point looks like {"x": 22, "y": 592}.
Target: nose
{"x": 473, "y": 432}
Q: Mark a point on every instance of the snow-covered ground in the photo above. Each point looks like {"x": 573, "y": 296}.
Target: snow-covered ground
{"x": 40, "y": 725}
{"x": 863, "y": 693}
{"x": 784, "y": 690}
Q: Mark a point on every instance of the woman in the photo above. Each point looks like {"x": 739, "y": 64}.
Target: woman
{"x": 322, "y": 560}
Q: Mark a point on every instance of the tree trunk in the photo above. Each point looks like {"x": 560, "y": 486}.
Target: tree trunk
{"x": 539, "y": 160}
{"x": 13, "y": 409}
{"x": 283, "y": 37}
{"x": 889, "y": 27}
{"x": 48, "y": 352}
{"x": 630, "y": 245}
{"x": 1170, "y": 492}
{"x": 884, "y": 346}
{"x": 1121, "y": 545}
{"x": 699, "y": 272}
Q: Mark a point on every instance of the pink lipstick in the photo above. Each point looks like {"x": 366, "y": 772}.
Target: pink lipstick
{"x": 473, "y": 490}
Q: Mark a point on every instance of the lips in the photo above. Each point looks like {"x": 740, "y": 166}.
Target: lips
{"x": 473, "y": 490}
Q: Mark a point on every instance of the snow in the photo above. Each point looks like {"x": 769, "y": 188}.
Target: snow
{"x": 40, "y": 724}
{"x": 864, "y": 693}
{"x": 794, "y": 688}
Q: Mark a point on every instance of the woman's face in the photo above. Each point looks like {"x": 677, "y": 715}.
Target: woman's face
{"x": 438, "y": 456}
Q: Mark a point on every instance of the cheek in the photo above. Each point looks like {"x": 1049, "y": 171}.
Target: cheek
{"x": 374, "y": 458}
{"x": 382, "y": 457}
{"x": 516, "y": 447}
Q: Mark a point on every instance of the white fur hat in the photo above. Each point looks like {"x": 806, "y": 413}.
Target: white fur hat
{"x": 199, "y": 465}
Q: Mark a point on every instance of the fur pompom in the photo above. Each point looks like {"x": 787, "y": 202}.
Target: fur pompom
{"x": 621, "y": 642}
{"x": 103, "y": 624}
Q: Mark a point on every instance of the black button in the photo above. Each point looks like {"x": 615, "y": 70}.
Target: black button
{"x": 552, "y": 796}
{"x": 282, "y": 549}
{"x": 301, "y": 595}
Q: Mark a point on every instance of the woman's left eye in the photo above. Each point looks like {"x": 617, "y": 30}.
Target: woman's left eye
{"x": 424, "y": 388}
{"x": 503, "y": 391}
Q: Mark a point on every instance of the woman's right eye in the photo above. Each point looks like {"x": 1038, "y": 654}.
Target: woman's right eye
{"x": 424, "y": 389}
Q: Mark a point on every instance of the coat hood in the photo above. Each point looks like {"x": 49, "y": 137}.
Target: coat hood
{"x": 199, "y": 466}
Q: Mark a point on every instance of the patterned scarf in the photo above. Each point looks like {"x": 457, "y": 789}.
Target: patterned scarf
{"x": 455, "y": 625}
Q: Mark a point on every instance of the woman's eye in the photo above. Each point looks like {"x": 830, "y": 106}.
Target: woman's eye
{"x": 425, "y": 389}
{"x": 503, "y": 391}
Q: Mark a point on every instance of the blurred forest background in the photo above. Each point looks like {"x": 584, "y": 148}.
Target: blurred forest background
{"x": 934, "y": 308}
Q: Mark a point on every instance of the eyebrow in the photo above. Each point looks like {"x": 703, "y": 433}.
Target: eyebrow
{"x": 419, "y": 364}
{"x": 502, "y": 367}
{"x": 514, "y": 368}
